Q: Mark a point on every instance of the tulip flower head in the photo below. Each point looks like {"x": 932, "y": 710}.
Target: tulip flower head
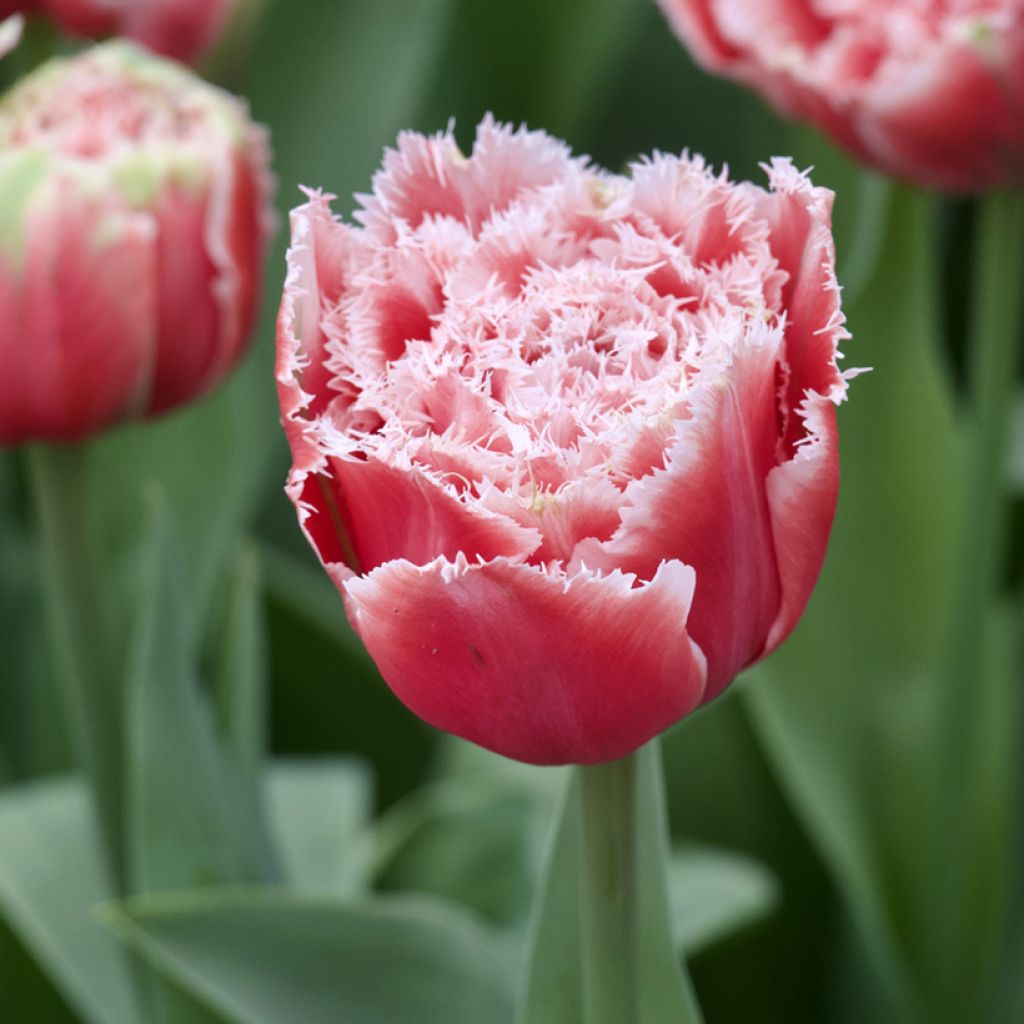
{"x": 926, "y": 90}
{"x": 134, "y": 200}
{"x": 181, "y": 29}
{"x": 565, "y": 441}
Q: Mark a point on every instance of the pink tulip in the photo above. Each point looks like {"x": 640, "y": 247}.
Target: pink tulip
{"x": 565, "y": 441}
{"x": 182, "y": 29}
{"x": 134, "y": 200}
{"x": 927, "y": 90}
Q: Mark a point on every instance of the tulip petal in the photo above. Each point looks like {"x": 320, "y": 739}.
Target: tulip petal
{"x": 802, "y": 496}
{"x": 189, "y": 317}
{"x": 319, "y": 259}
{"x": 799, "y": 216}
{"x": 384, "y": 512}
{"x": 78, "y": 309}
{"x": 543, "y": 668}
{"x": 708, "y": 508}
{"x": 429, "y": 177}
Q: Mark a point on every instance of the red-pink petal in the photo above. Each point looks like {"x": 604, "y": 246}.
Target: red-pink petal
{"x": 541, "y": 668}
{"x": 428, "y": 177}
{"x": 799, "y": 216}
{"x": 708, "y": 508}
{"x": 384, "y": 513}
{"x": 802, "y": 497}
{"x": 78, "y": 318}
{"x": 318, "y": 261}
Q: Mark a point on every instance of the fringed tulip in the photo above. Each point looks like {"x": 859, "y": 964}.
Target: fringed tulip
{"x": 134, "y": 200}
{"x": 926, "y": 90}
{"x": 565, "y": 441}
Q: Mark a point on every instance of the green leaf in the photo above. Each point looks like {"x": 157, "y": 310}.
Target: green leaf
{"x": 31, "y": 716}
{"x": 845, "y": 706}
{"x": 273, "y": 959}
{"x": 212, "y": 461}
{"x": 666, "y": 996}
{"x": 472, "y": 839}
{"x": 24, "y": 986}
{"x": 240, "y": 677}
{"x": 548, "y": 64}
{"x": 187, "y": 823}
{"x": 551, "y": 989}
{"x": 319, "y": 811}
{"x": 327, "y": 693}
{"x": 51, "y": 876}
{"x": 713, "y": 893}
{"x": 308, "y": 593}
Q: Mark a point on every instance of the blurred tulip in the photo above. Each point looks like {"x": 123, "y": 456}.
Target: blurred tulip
{"x": 134, "y": 204}
{"x": 183, "y": 29}
{"x": 926, "y": 90}
{"x": 565, "y": 441}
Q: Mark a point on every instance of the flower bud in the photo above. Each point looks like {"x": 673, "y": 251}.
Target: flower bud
{"x": 134, "y": 216}
{"x": 564, "y": 440}
{"x": 182, "y": 29}
{"x": 930, "y": 91}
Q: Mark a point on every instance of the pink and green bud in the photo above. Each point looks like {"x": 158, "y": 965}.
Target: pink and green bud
{"x": 134, "y": 216}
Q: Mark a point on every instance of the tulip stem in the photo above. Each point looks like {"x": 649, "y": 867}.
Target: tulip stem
{"x": 610, "y": 891}
{"x": 59, "y": 475}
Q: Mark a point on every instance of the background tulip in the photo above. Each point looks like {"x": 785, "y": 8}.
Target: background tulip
{"x": 565, "y": 441}
{"x": 135, "y": 204}
{"x": 182, "y": 29}
{"x": 930, "y": 92}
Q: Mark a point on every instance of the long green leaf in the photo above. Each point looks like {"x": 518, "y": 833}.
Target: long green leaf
{"x": 713, "y": 893}
{"x": 273, "y": 959}
{"x": 188, "y": 825}
{"x": 472, "y": 839}
{"x": 845, "y": 706}
{"x": 51, "y": 876}
{"x": 319, "y": 814}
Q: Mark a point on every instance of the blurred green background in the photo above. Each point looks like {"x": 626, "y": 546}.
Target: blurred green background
{"x": 822, "y": 771}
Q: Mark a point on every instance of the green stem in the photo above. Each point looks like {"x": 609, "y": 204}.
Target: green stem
{"x": 59, "y": 481}
{"x": 610, "y": 892}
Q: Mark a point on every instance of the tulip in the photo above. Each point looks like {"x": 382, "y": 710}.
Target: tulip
{"x": 565, "y": 441}
{"x": 930, "y": 92}
{"x": 182, "y": 29}
{"x": 134, "y": 200}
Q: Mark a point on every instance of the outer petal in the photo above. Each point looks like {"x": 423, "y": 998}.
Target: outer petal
{"x": 182, "y": 29}
{"x": 189, "y": 320}
{"x": 952, "y": 120}
{"x": 541, "y": 668}
{"x": 318, "y": 260}
{"x": 799, "y": 217}
{"x": 708, "y": 508}
{"x": 77, "y": 314}
{"x": 386, "y": 512}
{"x": 802, "y": 497}
{"x": 212, "y": 240}
{"x": 85, "y": 17}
